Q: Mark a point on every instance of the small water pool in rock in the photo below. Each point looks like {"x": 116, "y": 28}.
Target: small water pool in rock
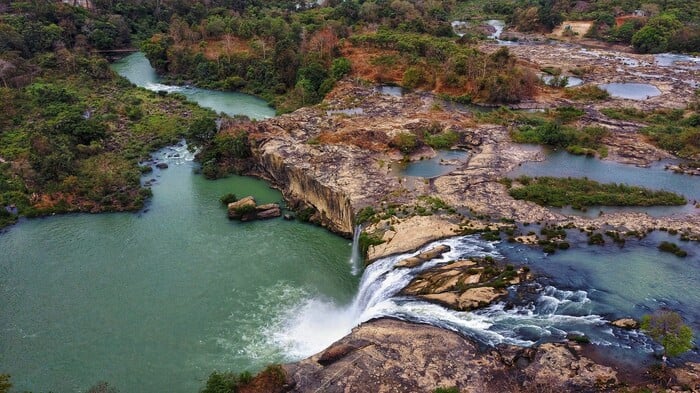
{"x": 444, "y": 162}
{"x": 677, "y": 60}
{"x": 571, "y": 81}
{"x": 631, "y": 91}
{"x": 396, "y": 91}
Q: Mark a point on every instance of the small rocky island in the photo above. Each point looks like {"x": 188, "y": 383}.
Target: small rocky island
{"x": 246, "y": 209}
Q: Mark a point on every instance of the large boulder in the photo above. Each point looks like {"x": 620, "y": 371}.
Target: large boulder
{"x": 392, "y": 356}
{"x": 243, "y": 209}
{"x": 246, "y": 209}
{"x": 269, "y": 210}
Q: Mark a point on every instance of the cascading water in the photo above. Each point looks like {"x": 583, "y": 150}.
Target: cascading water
{"x": 549, "y": 315}
{"x": 355, "y": 257}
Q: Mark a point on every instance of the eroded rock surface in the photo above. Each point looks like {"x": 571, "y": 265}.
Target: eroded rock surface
{"x": 393, "y": 356}
{"x": 246, "y": 209}
{"x": 464, "y": 284}
{"x": 337, "y": 158}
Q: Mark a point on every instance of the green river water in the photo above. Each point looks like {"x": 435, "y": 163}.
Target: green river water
{"x": 157, "y": 300}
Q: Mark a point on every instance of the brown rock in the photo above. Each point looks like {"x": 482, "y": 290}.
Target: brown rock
{"x": 479, "y": 297}
{"x": 272, "y": 212}
{"x": 242, "y": 208}
{"x": 625, "y": 323}
{"x": 556, "y": 364}
{"x": 688, "y": 375}
{"x": 399, "y": 356}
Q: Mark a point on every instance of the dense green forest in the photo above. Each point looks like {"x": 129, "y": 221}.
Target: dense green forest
{"x": 71, "y": 132}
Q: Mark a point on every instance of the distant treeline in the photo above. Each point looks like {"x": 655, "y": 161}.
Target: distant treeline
{"x": 651, "y": 26}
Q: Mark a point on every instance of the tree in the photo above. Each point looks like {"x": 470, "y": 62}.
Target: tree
{"x": 667, "y": 328}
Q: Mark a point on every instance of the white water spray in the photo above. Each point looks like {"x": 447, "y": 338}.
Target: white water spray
{"x": 317, "y": 323}
{"x": 355, "y": 257}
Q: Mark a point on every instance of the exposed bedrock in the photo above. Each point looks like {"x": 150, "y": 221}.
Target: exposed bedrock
{"x": 339, "y": 157}
{"x": 387, "y": 355}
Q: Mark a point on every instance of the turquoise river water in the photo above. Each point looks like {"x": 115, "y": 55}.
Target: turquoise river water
{"x": 154, "y": 301}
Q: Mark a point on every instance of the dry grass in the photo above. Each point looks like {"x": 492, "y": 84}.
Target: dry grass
{"x": 226, "y": 45}
{"x": 578, "y": 27}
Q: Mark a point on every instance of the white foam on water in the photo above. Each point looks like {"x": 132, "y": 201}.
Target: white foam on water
{"x": 154, "y": 86}
{"x": 313, "y": 323}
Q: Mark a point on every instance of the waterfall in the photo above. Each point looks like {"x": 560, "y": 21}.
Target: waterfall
{"x": 355, "y": 257}
{"x": 550, "y": 314}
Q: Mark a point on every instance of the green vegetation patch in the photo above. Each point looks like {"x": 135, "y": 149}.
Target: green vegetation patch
{"x": 553, "y": 127}
{"x": 559, "y": 192}
{"x": 673, "y": 249}
{"x": 674, "y": 130}
{"x": 586, "y": 93}
{"x": 72, "y": 140}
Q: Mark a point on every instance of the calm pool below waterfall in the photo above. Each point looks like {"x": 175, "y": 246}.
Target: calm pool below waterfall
{"x": 154, "y": 301}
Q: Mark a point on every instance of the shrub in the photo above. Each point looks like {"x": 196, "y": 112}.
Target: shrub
{"x": 406, "y": 142}
{"x": 340, "y": 67}
{"x": 673, "y": 249}
{"x": 368, "y": 239}
{"x": 596, "y": 239}
{"x": 559, "y": 192}
{"x": 667, "y": 328}
{"x": 443, "y": 140}
{"x": 586, "y": 93}
{"x": 228, "y": 198}
{"x": 364, "y": 215}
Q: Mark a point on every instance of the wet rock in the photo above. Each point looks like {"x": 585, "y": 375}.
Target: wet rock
{"x": 424, "y": 256}
{"x": 246, "y": 209}
{"x": 243, "y": 209}
{"x": 398, "y": 356}
{"x": 337, "y": 352}
{"x": 268, "y": 212}
{"x": 625, "y": 323}
{"x": 161, "y": 165}
{"x": 464, "y": 284}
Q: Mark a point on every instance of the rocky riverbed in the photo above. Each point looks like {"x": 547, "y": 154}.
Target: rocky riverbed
{"x": 339, "y": 157}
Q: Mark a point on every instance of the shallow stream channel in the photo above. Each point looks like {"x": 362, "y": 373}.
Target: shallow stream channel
{"x": 155, "y": 301}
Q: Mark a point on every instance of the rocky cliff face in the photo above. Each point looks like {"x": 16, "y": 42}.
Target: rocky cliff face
{"x": 299, "y": 185}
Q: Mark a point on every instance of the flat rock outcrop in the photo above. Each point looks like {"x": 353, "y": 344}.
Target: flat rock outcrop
{"x": 387, "y": 355}
{"x": 465, "y": 284}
